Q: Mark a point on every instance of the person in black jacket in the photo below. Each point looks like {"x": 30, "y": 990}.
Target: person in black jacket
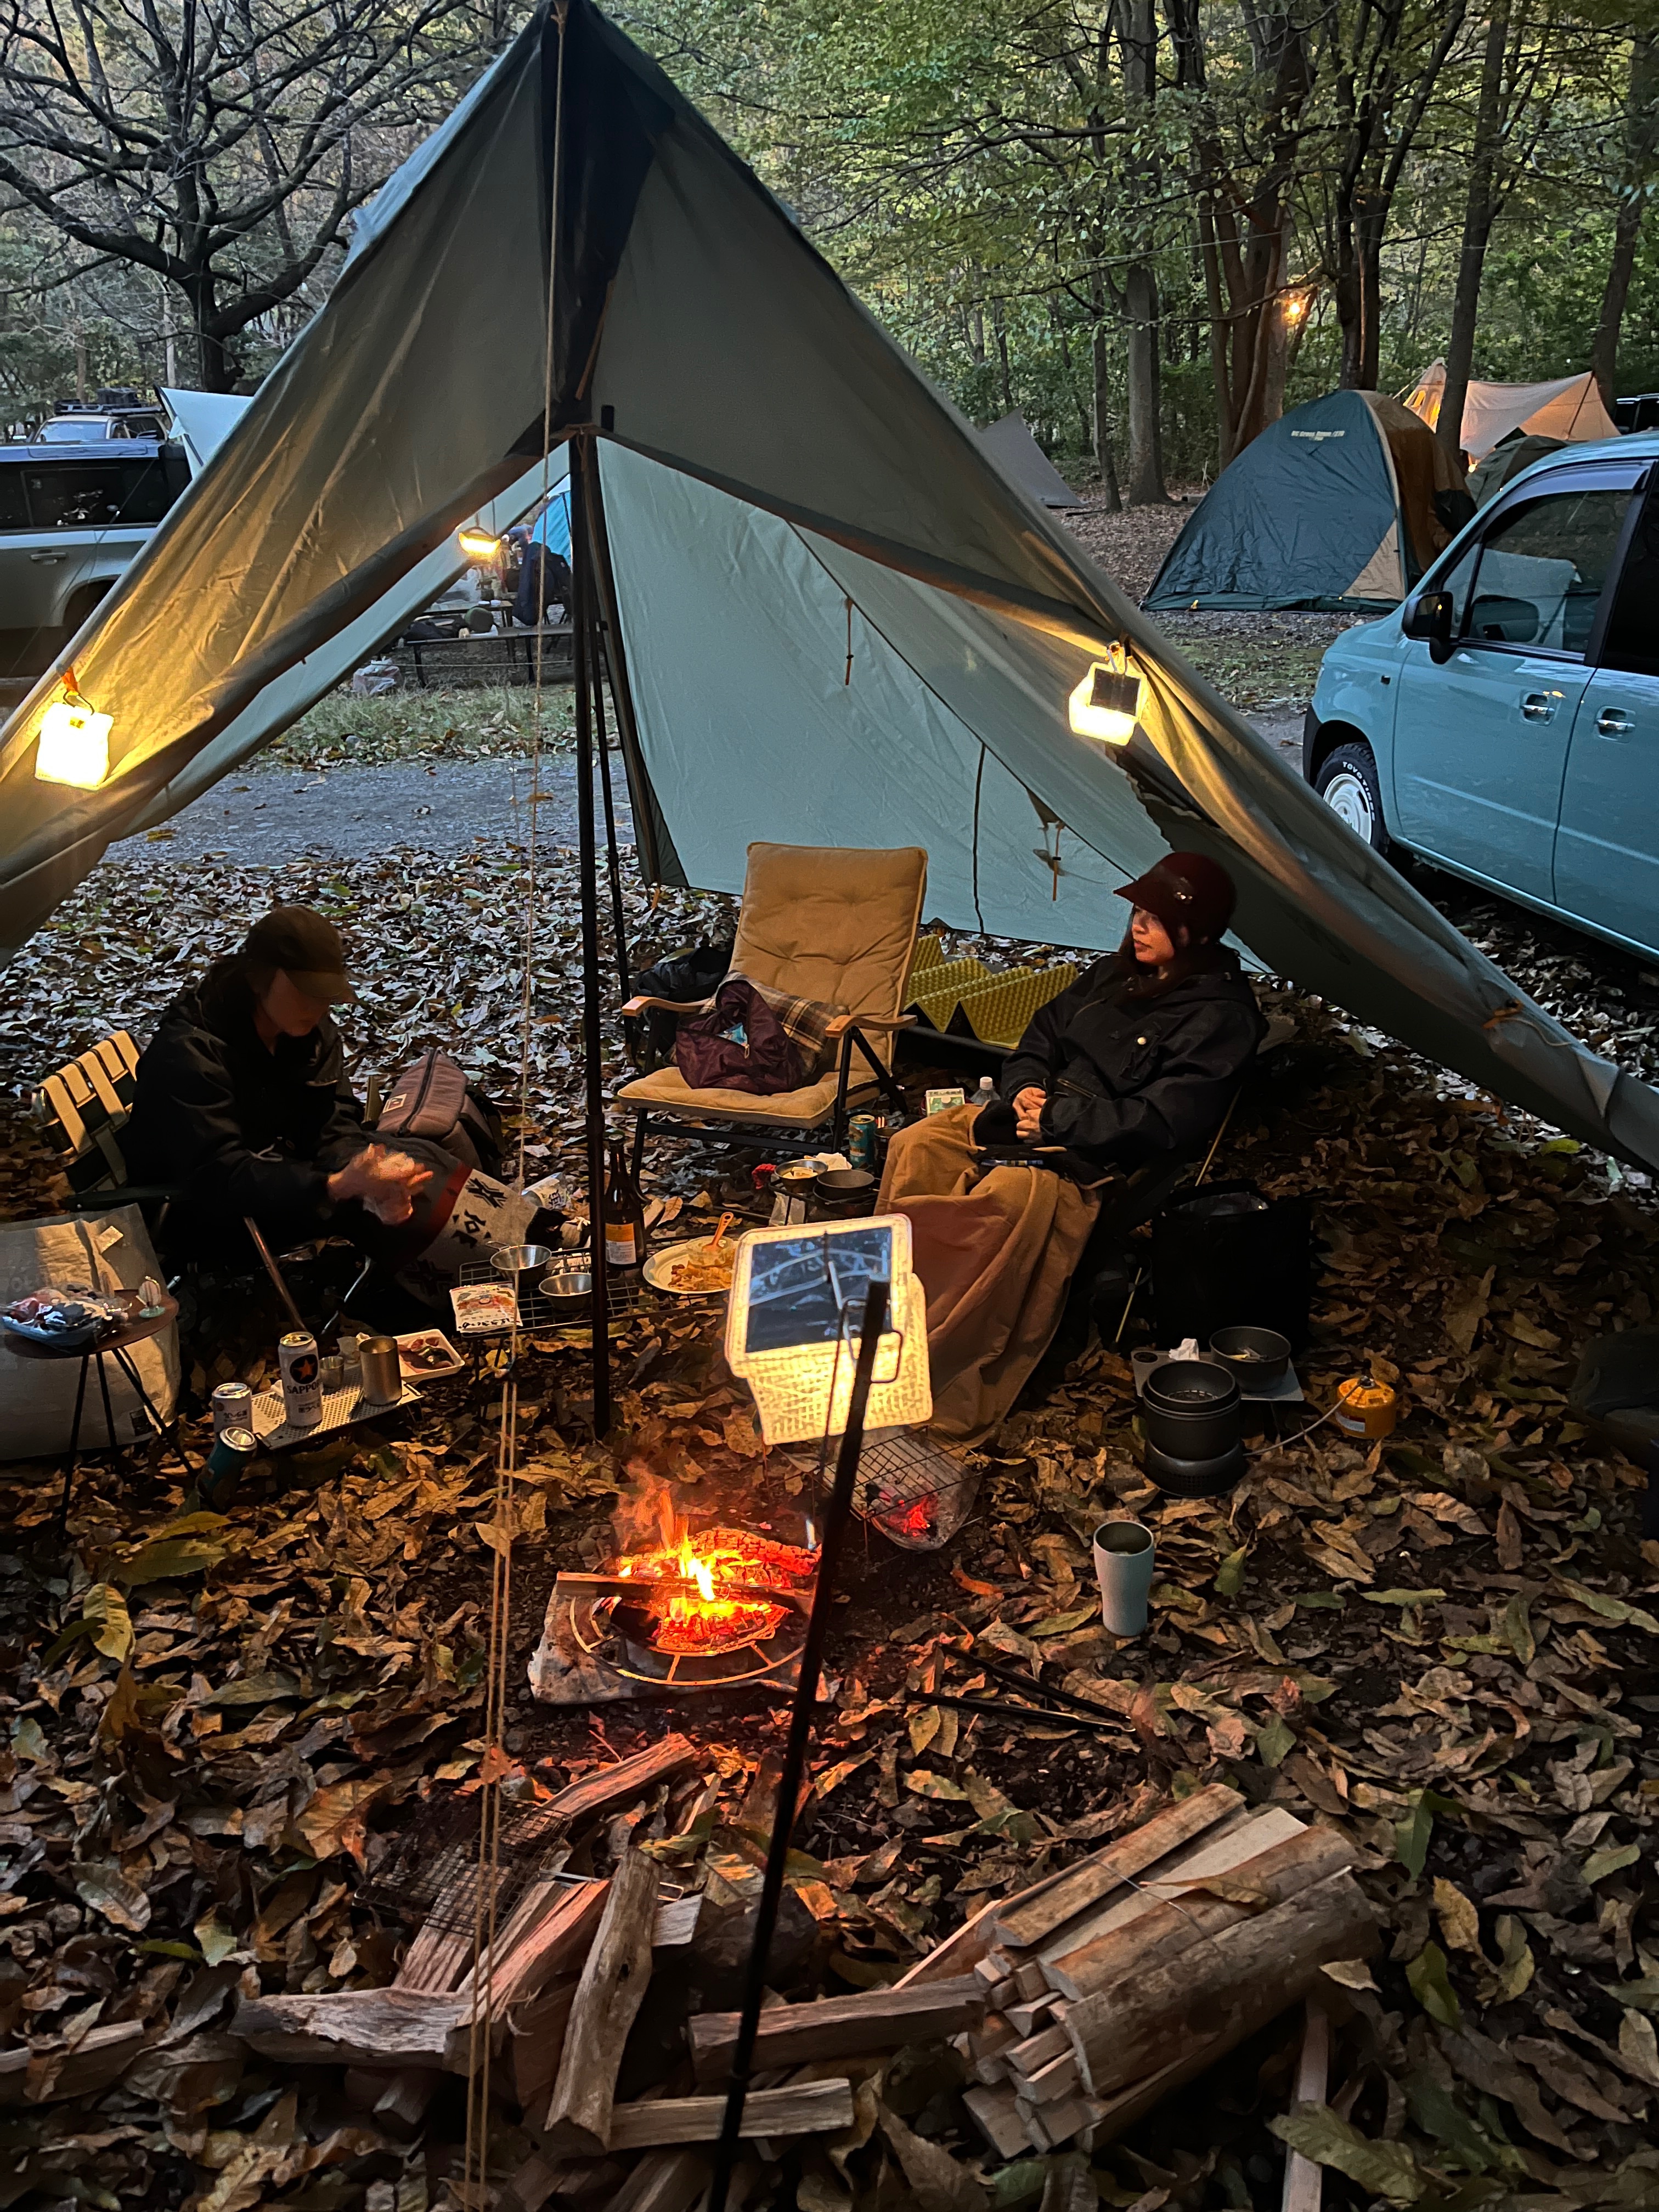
{"x": 242, "y": 1103}
{"x": 1138, "y": 1060}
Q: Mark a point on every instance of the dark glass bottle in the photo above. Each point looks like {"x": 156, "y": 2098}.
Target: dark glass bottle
{"x": 624, "y": 1214}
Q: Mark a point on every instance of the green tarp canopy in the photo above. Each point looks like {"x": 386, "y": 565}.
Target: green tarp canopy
{"x": 837, "y": 619}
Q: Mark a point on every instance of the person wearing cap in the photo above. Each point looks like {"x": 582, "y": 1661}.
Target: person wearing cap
{"x": 1138, "y": 1060}
{"x": 242, "y": 1103}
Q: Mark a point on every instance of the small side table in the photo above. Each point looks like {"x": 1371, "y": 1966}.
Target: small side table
{"x": 115, "y": 1347}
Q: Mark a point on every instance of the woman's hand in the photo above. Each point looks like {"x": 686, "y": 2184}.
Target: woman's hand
{"x": 385, "y": 1182}
{"x": 1028, "y": 1112}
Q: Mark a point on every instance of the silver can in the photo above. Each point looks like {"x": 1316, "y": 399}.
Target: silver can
{"x": 233, "y": 1408}
{"x": 303, "y": 1383}
{"x": 861, "y": 1140}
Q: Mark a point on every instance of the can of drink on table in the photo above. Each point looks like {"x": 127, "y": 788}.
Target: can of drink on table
{"x": 861, "y": 1140}
{"x": 233, "y": 1408}
{"x": 303, "y": 1383}
{"x": 233, "y": 1452}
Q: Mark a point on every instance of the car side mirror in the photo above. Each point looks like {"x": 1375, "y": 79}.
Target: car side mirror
{"x": 1429, "y": 617}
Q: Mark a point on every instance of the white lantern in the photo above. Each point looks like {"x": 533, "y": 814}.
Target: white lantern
{"x": 73, "y": 745}
{"x": 1106, "y": 704}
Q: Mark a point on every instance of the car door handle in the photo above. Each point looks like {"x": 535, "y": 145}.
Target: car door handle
{"x": 48, "y": 556}
{"x": 1540, "y": 706}
{"x": 1614, "y": 722}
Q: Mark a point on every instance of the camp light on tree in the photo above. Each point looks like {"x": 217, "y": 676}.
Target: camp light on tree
{"x": 1107, "y": 703}
{"x": 478, "y": 544}
{"x": 74, "y": 744}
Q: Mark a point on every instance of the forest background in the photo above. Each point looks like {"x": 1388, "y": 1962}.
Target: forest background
{"x": 1151, "y": 224}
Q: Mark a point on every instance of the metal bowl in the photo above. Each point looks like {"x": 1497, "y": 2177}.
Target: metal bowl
{"x": 1256, "y": 1357}
{"x": 519, "y": 1264}
{"x": 568, "y": 1288}
{"x": 844, "y": 1182}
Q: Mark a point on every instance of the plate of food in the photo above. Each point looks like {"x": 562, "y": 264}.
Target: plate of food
{"x": 699, "y": 1268}
{"x": 425, "y": 1352}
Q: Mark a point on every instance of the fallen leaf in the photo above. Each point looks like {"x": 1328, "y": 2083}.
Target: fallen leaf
{"x": 1460, "y": 1922}
{"x": 1386, "y": 2169}
{"x": 106, "y": 1607}
{"x": 333, "y": 1821}
{"x": 1429, "y": 1983}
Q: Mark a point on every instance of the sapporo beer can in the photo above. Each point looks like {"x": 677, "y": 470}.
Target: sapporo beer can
{"x": 302, "y": 1379}
{"x": 861, "y": 1140}
{"x": 233, "y": 1408}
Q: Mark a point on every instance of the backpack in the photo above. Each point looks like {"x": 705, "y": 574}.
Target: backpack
{"x": 432, "y": 1098}
{"x": 741, "y": 1045}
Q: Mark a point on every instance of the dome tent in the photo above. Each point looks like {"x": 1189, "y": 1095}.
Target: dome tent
{"x": 828, "y": 617}
{"x": 1342, "y": 503}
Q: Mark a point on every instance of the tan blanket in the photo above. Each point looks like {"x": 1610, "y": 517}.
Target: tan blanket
{"x": 995, "y": 1257}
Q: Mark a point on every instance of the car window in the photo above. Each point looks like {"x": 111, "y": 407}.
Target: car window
{"x": 1542, "y": 568}
{"x": 1632, "y": 638}
{"x": 14, "y": 508}
{"x": 1456, "y": 581}
{"x": 95, "y": 495}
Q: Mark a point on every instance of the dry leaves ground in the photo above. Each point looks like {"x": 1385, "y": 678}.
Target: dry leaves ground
{"x": 220, "y": 1726}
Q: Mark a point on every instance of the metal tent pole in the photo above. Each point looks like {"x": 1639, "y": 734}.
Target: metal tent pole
{"x": 582, "y": 565}
{"x": 603, "y": 661}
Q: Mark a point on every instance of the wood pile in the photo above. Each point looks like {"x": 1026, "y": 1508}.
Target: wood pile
{"x": 1075, "y": 2006}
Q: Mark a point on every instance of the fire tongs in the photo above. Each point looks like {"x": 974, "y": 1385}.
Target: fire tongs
{"x": 1082, "y": 1714}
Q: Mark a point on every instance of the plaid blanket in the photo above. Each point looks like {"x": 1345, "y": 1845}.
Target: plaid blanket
{"x": 804, "y": 1020}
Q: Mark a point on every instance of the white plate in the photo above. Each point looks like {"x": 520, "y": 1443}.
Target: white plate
{"x": 658, "y": 1263}
{"x": 452, "y": 1365}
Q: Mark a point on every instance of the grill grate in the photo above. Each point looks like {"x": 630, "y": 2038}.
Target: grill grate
{"x": 910, "y": 1489}
{"x": 627, "y": 1293}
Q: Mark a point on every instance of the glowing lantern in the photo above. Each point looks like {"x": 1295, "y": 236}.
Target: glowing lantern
{"x": 478, "y": 544}
{"x": 1107, "y": 703}
{"x": 73, "y": 745}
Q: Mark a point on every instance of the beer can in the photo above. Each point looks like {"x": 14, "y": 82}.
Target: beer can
{"x": 234, "y": 1453}
{"x": 233, "y": 1408}
{"x": 303, "y": 1386}
{"x": 861, "y": 1140}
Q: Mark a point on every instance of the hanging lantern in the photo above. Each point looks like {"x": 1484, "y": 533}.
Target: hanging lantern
{"x": 478, "y": 544}
{"x": 74, "y": 744}
{"x": 1106, "y": 704}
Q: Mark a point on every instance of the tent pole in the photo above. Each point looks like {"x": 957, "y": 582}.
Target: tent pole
{"x": 646, "y": 842}
{"x": 582, "y": 640}
{"x": 587, "y": 454}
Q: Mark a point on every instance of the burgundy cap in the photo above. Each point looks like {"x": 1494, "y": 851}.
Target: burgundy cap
{"x": 1186, "y": 891}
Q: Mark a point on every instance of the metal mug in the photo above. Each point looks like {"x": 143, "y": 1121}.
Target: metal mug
{"x": 383, "y": 1382}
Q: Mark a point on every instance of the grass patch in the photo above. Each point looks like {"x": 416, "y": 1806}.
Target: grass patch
{"x": 488, "y": 723}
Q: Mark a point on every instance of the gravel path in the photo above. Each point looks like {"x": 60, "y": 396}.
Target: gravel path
{"x": 266, "y": 818}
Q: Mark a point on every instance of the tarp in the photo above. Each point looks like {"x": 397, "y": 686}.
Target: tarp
{"x": 1018, "y": 454}
{"x": 1564, "y": 407}
{"x": 838, "y": 617}
{"x": 201, "y": 420}
{"x": 1339, "y": 504}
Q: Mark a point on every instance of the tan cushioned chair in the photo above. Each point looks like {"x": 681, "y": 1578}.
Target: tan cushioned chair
{"x": 835, "y": 923}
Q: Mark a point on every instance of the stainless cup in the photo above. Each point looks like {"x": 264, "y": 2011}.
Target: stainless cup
{"x": 383, "y": 1385}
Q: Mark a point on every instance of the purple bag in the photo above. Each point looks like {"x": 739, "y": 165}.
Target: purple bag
{"x": 738, "y": 1045}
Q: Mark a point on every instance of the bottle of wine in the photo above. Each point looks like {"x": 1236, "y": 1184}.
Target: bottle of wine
{"x": 624, "y": 1215}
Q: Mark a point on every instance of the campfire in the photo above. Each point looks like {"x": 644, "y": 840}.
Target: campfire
{"x": 709, "y": 1591}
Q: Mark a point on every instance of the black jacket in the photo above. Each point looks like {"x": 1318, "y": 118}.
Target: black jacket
{"x": 244, "y": 1129}
{"x": 1132, "y": 1071}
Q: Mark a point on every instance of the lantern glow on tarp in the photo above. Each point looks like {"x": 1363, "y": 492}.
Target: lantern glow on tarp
{"x": 478, "y": 544}
{"x": 1106, "y": 704}
{"x": 73, "y": 745}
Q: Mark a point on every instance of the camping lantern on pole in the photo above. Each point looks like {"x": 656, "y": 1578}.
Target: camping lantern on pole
{"x": 1106, "y": 704}
{"x": 74, "y": 742}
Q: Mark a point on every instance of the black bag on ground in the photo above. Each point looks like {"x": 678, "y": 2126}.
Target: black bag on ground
{"x": 683, "y": 976}
{"x": 432, "y": 1098}
{"x": 1225, "y": 1254}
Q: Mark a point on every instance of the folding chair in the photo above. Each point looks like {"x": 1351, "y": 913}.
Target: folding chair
{"x": 833, "y": 923}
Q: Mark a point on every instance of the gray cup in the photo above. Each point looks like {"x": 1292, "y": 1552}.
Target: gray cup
{"x": 1124, "y": 1556}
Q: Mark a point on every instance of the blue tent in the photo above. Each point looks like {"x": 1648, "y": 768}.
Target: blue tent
{"x": 1341, "y": 503}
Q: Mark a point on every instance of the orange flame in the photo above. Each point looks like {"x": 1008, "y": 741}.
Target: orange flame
{"x": 707, "y": 1618}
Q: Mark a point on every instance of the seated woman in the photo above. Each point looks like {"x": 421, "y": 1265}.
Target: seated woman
{"x": 242, "y": 1102}
{"x": 1138, "y": 1060}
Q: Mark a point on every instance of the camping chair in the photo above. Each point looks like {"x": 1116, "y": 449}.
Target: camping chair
{"x": 82, "y": 1108}
{"x": 836, "y": 924}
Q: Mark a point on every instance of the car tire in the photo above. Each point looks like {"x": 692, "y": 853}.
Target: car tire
{"x": 1347, "y": 783}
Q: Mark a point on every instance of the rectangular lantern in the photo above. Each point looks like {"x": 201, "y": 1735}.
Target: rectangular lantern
{"x": 73, "y": 745}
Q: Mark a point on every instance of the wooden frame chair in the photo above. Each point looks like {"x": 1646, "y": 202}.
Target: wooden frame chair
{"x": 834, "y": 923}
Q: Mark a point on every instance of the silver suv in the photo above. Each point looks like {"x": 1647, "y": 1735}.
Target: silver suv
{"x": 71, "y": 518}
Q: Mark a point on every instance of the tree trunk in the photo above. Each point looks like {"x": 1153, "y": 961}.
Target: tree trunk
{"x": 1140, "y": 283}
{"x": 1105, "y": 466}
{"x": 1641, "y": 125}
{"x": 1480, "y": 210}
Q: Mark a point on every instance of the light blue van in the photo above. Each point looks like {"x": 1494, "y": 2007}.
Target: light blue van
{"x": 1503, "y": 722}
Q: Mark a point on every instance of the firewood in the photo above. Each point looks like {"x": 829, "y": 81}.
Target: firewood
{"x": 1006, "y": 1993}
{"x": 545, "y": 1945}
{"x": 997, "y": 2121}
{"x": 1158, "y": 1930}
{"x": 1026, "y": 2019}
{"x": 1028, "y": 1920}
{"x": 675, "y": 1924}
{"x": 664, "y": 2181}
{"x": 401, "y": 2105}
{"x": 1031, "y": 2055}
{"x": 100, "y": 2057}
{"x": 840, "y": 2028}
{"x": 806, "y": 2108}
{"x": 613, "y": 1983}
{"x": 1060, "y": 2077}
{"x": 1029, "y": 1980}
{"x": 537, "y": 2043}
{"x": 1303, "y": 2188}
{"x": 1216, "y": 1993}
{"x": 1050, "y": 2125}
{"x": 995, "y": 1966}
{"x": 544, "y": 2175}
{"x": 620, "y": 1784}
{"x": 392, "y": 2029}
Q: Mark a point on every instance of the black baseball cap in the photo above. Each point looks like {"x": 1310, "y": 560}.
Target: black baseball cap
{"x": 308, "y": 949}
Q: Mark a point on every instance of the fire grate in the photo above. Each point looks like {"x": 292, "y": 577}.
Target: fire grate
{"x": 911, "y": 1491}
{"x": 433, "y": 1881}
{"x": 627, "y": 1293}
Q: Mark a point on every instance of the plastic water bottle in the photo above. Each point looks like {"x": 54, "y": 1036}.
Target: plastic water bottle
{"x": 988, "y": 1092}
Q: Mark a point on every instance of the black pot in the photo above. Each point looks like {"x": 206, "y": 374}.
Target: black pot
{"x": 1193, "y": 1409}
{"x": 1255, "y": 1356}
{"x": 1193, "y": 1477}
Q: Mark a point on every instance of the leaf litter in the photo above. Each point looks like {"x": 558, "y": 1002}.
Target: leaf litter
{"x": 220, "y": 1728}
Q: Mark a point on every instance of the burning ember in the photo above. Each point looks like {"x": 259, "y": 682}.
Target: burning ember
{"x": 720, "y": 1580}
{"x": 906, "y": 1521}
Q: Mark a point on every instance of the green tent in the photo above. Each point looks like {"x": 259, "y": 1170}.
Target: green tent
{"x": 830, "y": 616}
{"x": 1341, "y": 503}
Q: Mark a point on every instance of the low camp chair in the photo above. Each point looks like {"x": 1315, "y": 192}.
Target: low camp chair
{"x": 833, "y": 923}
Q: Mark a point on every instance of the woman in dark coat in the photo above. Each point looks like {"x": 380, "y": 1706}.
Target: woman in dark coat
{"x": 1136, "y": 1060}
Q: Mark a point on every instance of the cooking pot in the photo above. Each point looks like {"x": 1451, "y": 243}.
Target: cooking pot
{"x": 1193, "y": 1409}
{"x": 1193, "y": 1477}
{"x": 1255, "y": 1356}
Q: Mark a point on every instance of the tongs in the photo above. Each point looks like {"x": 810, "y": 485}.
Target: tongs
{"x": 1083, "y": 1715}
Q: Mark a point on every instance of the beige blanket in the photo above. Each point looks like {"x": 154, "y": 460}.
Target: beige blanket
{"x": 995, "y": 1257}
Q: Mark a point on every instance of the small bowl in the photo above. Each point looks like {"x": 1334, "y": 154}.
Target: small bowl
{"x": 568, "y": 1288}
{"x": 843, "y": 1182}
{"x": 1255, "y": 1356}
{"x": 519, "y": 1264}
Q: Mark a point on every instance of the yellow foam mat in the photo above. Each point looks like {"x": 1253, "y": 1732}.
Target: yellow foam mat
{"x": 1000, "y": 1009}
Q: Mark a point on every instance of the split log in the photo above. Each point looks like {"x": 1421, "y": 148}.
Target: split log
{"x": 608, "y": 1996}
{"x": 1034, "y": 2054}
{"x": 1304, "y": 2181}
{"x": 840, "y": 2028}
{"x": 537, "y": 2043}
{"x": 1210, "y": 1997}
{"x": 389, "y": 2029}
{"x": 664, "y": 2181}
{"x": 607, "y": 1787}
{"x": 1029, "y": 1919}
{"x": 675, "y": 1924}
{"x": 543, "y": 1943}
{"x": 997, "y": 2121}
{"x": 1160, "y": 1930}
{"x": 801, "y": 2108}
{"x": 101, "y": 2055}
